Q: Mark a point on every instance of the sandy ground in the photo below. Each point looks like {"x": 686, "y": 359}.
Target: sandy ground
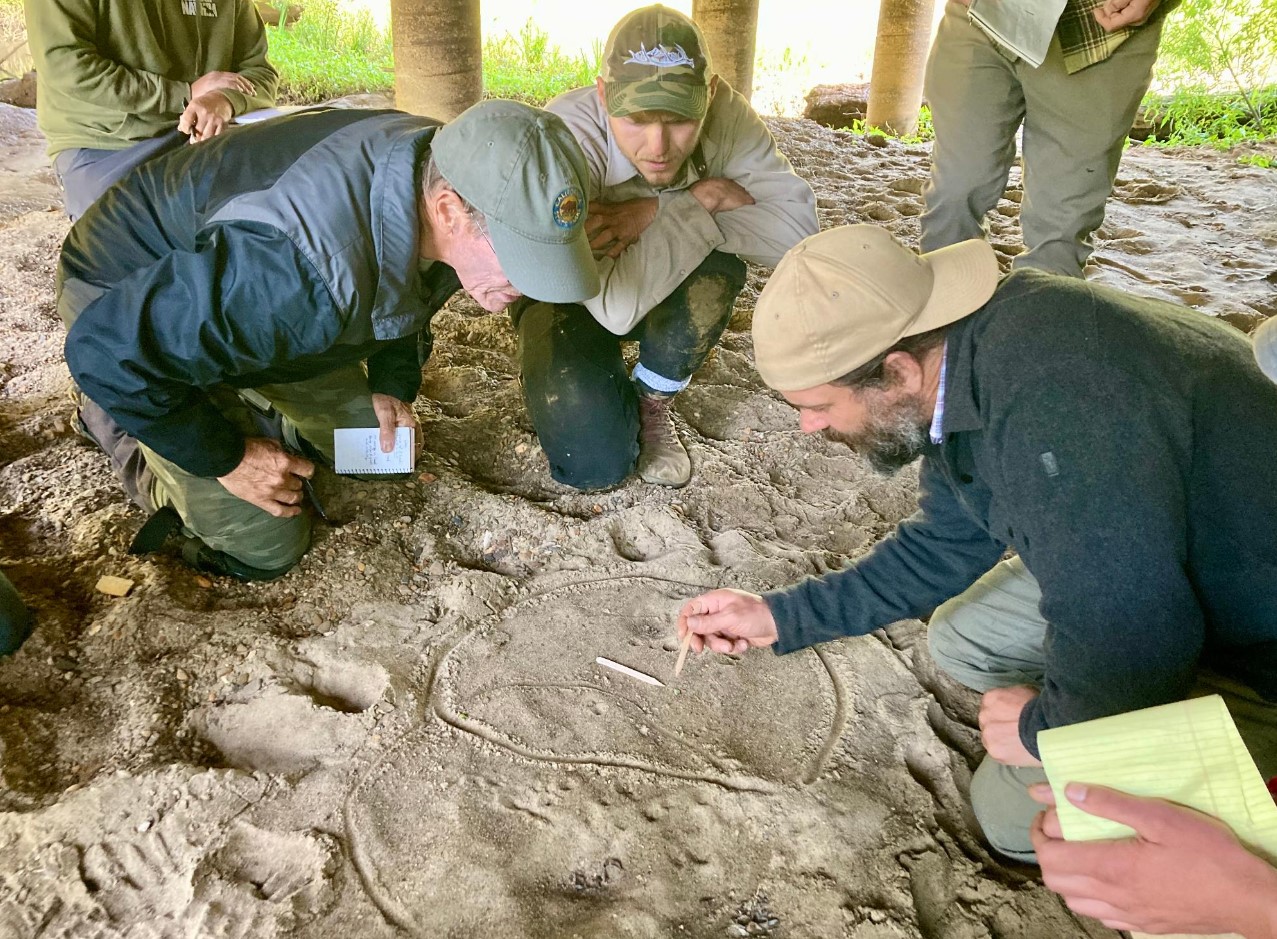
{"x": 408, "y": 735}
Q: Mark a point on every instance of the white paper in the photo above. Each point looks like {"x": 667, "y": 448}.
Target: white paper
{"x": 1025, "y": 27}
{"x": 265, "y": 114}
{"x": 357, "y": 450}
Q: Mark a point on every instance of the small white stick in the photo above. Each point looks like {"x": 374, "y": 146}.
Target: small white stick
{"x": 626, "y": 670}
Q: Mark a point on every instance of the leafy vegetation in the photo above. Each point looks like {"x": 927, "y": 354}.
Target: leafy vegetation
{"x": 1220, "y": 57}
{"x": 528, "y": 68}
{"x": 329, "y": 53}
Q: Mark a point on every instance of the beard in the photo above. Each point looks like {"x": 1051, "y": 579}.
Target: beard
{"x": 895, "y": 433}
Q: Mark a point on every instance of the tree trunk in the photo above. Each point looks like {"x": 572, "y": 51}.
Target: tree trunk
{"x": 730, "y": 28}
{"x": 900, "y": 62}
{"x": 438, "y": 48}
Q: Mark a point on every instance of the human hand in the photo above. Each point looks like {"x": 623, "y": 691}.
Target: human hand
{"x": 614, "y": 226}
{"x": 392, "y": 414}
{"x": 1118, "y": 14}
{"x": 217, "y": 81}
{"x": 269, "y": 478}
{"x": 1183, "y": 872}
{"x": 1000, "y": 724}
{"x": 727, "y": 621}
{"x": 717, "y": 194}
{"x": 205, "y": 117}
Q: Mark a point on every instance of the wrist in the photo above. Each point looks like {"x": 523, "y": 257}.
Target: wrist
{"x": 1257, "y": 905}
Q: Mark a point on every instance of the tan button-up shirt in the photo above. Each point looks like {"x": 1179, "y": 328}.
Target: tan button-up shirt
{"x": 735, "y": 145}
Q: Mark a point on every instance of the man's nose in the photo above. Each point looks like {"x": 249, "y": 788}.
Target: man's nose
{"x": 657, "y": 138}
{"x": 811, "y": 423}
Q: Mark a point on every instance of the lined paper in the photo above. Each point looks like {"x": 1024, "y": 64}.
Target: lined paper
{"x": 1188, "y": 752}
{"x": 358, "y": 450}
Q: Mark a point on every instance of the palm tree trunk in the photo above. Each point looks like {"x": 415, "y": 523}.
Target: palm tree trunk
{"x": 900, "y": 62}
{"x": 730, "y": 28}
{"x": 438, "y": 48}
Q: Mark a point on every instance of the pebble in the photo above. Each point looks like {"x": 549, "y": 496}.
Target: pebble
{"x": 736, "y": 930}
{"x": 203, "y": 582}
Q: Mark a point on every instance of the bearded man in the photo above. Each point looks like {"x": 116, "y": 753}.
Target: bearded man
{"x": 1125, "y": 448}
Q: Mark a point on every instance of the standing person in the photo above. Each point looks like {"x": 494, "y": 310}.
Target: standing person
{"x": 121, "y": 82}
{"x": 1076, "y": 109}
{"x": 685, "y": 184}
{"x": 1126, "y": 448}
{"x": 301, "y": 259}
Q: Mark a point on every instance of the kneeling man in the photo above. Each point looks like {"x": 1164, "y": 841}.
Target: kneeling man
{"x": 301, "y": 259}
{"x": 1125, "y": 448}
{"x": 685, "y": 182}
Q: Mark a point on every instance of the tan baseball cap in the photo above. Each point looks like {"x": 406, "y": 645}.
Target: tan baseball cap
{"x": 841, "y": 297}
{"x": 1266, "y": 347}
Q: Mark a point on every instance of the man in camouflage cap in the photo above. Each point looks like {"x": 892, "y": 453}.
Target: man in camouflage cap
{"x": 685, "y": 184}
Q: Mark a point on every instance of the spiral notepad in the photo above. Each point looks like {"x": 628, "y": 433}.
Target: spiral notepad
{"x": 357, "y": 450}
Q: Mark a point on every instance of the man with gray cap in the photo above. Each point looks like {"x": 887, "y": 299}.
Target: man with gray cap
{"x": 293, "y": 268}
{"x": 1125, "y": 448}
{"x": 685, "y": 181}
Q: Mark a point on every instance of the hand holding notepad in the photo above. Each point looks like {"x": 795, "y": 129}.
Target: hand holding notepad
{"x": 1188, "y": 752}
{"x": 357, "y": 451}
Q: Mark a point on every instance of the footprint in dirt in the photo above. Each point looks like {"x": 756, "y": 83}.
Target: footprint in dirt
{"x": 314, "y": 712}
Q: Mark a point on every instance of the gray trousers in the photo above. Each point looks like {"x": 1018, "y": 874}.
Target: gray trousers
{"x": 86, "y": 173}
{"x": 1074, "y": 129}
{"x": 992, "y": 636}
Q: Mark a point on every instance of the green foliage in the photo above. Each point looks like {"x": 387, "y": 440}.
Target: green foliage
{"x": 527, "y": 68}
{"x": 15, "y": 59}
{"x": 1220, "y": 56}
{"x": 926, "y": 129}
{"x": 329, "y": 53}
{"x": 1258, "y": 159}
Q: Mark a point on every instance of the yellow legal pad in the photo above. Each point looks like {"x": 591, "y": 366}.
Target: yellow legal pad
{"x": 1187, "y": 752}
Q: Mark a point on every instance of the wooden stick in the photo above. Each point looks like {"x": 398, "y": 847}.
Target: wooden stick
{"x": 626, "y": 670}
{"x": 682, "y": 653}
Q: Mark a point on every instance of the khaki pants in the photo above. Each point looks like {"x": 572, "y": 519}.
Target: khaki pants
{"x": 1074, "y": 129}
{"x": 992, "y": 636}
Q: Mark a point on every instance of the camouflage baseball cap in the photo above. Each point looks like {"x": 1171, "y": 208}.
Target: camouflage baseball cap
{"x": 656, "y": 60}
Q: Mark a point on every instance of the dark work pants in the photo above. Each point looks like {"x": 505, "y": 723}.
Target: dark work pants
{"x": 580, "y": 397}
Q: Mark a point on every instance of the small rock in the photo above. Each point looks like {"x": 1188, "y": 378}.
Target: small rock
{"x": 114, "y": 586}
{"x": 181, "y": 675}
{"x": 736, "y": 930}
{"x": 427, "y": 478}
{"x": 203, "y": 582}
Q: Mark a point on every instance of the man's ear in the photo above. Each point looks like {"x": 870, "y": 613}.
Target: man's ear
{"x": 713, "y": 85}
{"x": 904, "y": 373}
{"x": 602, "y": 90}
{"x": 446, "y": 210}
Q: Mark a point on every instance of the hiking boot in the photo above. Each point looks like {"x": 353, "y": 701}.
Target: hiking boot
{"x": 662, "y": 458}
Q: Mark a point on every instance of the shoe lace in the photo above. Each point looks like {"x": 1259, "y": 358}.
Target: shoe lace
{"x": 656, "y": 424}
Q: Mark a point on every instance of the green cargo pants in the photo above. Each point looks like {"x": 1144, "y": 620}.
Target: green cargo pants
{"x": 312, "y": 409}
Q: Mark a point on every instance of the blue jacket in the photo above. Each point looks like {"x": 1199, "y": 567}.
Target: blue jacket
{"x": 1127, "y": 449}
{"x": 273, "y": 253}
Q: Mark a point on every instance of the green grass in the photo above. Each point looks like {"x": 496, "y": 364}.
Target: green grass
{"x": 528, "y": 68}
{"x": 326, "y": 54}
{"x": 15, "y": 60}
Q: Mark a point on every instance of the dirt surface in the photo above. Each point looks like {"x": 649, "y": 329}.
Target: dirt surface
{"x": 407, "y": 735}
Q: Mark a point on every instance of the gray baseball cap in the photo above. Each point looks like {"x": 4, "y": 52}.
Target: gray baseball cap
{"x": 522, "y": 168}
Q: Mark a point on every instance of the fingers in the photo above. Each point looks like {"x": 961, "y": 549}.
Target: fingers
{"x": 1043, "y": 793}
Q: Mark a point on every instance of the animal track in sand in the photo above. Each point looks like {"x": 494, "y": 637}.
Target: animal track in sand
{"x": 308, "y": 717}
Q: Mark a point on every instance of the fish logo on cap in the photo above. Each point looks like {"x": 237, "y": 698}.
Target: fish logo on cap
{"x": 567, "y": 207}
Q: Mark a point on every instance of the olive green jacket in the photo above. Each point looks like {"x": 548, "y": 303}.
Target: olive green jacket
{"x": 113, "y": 72}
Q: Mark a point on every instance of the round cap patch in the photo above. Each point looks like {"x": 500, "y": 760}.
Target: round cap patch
{"x": 567, "y": 207}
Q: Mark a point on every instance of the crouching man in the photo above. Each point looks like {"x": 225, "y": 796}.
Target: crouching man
{"x": 1126, "y": 449}
{"x": 685, "y": 181}
{"x": 300, "y": 259}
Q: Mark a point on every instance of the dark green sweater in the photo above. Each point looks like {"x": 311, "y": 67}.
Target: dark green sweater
{"x": 1127, "y": 449}
{"x": 113, "y": 72}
